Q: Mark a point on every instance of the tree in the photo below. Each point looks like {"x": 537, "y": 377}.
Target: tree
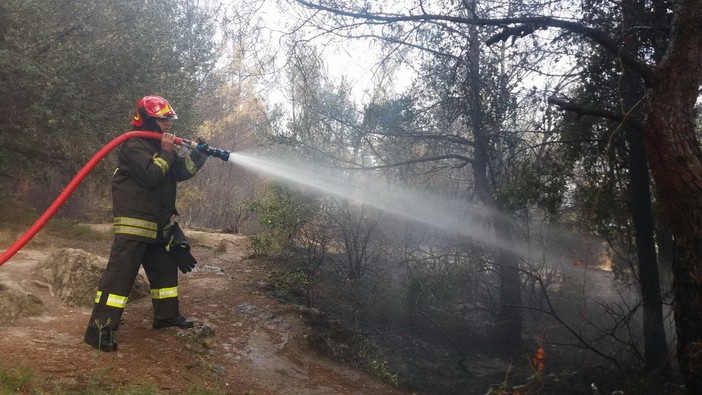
{"x": 72, "y": 70}
{"x": 621, "y": 147}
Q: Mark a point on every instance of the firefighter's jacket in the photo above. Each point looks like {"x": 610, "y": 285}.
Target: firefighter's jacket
{"x": 144, "y": 188}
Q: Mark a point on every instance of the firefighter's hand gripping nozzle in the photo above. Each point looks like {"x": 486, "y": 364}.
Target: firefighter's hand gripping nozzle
{"x": 202, "y": 146}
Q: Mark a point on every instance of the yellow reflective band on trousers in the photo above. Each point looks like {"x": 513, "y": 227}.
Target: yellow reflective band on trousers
{"x": 160, "y": 162}
{"x": 164, "y": 293}
{"x": 136, "y": 227}
{"x": 112, "y": 300}
{"x": 116, "y": 301}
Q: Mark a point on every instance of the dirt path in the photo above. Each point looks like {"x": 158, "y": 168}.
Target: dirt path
{"x": 259, "y": 345}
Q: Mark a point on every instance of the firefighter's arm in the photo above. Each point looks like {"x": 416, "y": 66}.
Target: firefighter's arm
{"x": 187, "y": 167}
{"x": 146, "y": 167}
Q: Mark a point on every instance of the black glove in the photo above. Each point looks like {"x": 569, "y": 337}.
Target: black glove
{"x": 204, "y": 149}
{"x": 201, "y": 152}
{"x": 179, "y": 247}
{"x": 183, "y": 258}
{"x": 203, "y": 145}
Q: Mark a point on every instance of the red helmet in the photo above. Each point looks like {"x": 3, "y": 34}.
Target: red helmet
{"x": 152, "y": 107}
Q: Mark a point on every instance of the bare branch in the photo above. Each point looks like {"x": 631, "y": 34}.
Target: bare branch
{"x": 522, "y": 26}
{"x": 462, "y": 158}
{"x": 451, "y": 138}
{"x": 583, "y": 111}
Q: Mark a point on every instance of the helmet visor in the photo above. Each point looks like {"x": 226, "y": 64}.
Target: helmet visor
{"x": 171, "y": 116}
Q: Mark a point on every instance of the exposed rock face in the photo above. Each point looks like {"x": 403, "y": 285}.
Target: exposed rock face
{"x": 16, "y": 302}
{"x": 74, "y": 275}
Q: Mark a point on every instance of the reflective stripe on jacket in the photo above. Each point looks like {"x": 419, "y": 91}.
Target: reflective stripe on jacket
{"x": 136, "y": 227}
{"x": 144, "y": 187}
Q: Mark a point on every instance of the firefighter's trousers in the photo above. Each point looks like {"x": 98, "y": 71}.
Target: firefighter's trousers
{"x": 116, "y": 282}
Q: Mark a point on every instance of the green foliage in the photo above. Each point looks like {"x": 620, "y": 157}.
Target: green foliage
{"x": 352, "y": 349}
{"x": 293, "y": 285}
{"x": 363, "y": 354}
{"x": 189, "y": 195}
{"x": 71, "y": 71}
{"x": 16, "y": 379}
{"x": 23, "y": 380}
{"x": 540, "y": 183}
{"x": 282, "y": 213}
{"x": 377, "y": 367}
{"x": 323, "y": 129}
{"x": 263, "y": 245}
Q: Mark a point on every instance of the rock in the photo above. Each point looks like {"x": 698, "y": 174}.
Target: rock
{"x": 219, "y": 370}
{"x": 195, "y": 348}
{"x": 205, "y": 332}
{"x": 74, "y": 275}
{"x": 206, "y": 337}
{"x": 16, "y": 302}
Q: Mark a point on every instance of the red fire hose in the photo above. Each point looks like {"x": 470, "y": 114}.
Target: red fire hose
{"x": 71, "y": 187}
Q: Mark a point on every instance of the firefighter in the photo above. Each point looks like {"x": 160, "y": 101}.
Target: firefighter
{"x": 144, "y": 197}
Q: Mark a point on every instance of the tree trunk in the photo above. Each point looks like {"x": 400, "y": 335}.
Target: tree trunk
{"x": 655, "y": 344}
{"x": 508, "y": 323}
{"x": 676, "y": 163}
{"x": 632, "y": 92}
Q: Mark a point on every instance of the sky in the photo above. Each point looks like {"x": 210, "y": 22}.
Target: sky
{"x": 355, "y": 60}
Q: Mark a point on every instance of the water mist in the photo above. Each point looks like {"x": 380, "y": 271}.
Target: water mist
{"x": 552, "y": 249}
{"x": 453, "y": 216}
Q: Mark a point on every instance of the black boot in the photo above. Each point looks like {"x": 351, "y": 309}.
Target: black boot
{"x": 179, "y": 321}
{"x": 102, "y": 339}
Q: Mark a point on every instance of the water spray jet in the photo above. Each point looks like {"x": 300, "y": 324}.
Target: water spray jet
{"x": 453, "y": 216}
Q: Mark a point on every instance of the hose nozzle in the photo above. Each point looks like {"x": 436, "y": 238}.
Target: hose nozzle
{"x": 204, "y": 148}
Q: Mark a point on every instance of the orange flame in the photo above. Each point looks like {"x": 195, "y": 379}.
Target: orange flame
{"x": 538, "y": 359}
